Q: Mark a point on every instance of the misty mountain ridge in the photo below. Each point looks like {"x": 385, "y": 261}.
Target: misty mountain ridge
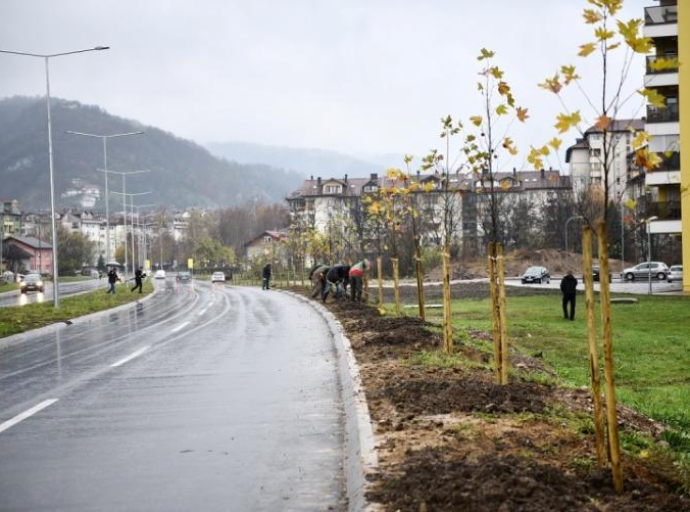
{"x": 183, "y": 173}
{"x": 305, "y": 161}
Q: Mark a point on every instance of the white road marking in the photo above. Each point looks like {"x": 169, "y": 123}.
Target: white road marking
{"x": 180, "y": 327}
{"x": 130, "y": 357}
{"x": 26, "y": 414}
{"x": 203, "y": 311}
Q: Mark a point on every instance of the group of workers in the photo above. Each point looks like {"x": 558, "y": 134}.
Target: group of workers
{"x": 335, "y": 279}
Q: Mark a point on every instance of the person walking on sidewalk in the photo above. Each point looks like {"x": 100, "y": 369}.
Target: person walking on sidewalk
{"x": 112, "y": 279}
{"x": 138, "y": 279}
{"x": 266, "y": 282}
{"x": 318, "y": 280}
{"x": 569, "y": 289}
{"x": 357, "y": 278}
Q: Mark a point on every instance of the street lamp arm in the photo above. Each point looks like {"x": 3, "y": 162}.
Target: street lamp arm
{"x": 50, "y": 55}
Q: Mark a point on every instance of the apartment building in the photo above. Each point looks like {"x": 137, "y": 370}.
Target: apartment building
{"x": 668, "y": 24}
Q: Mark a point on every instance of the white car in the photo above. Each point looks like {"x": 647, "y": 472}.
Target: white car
{"x": 160, "y": 274}
{"x": 675, "y": 273}
{"x": 659, "y": 270}
{"x": 218, "y": 277}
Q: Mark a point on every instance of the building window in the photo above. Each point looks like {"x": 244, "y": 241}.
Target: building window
{"x": 333, "y": 189}
{"x": 268, "y": 239}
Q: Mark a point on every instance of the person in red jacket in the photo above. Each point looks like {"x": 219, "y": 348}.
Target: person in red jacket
{"x": 357, "y": 272}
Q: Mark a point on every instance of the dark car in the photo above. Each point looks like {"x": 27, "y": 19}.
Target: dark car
{"x": 536, "y": 275}
{"x": 184, "y": 277}
{"x": 595, "y": 274}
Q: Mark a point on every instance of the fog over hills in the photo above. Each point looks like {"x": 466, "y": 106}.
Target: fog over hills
{"x": 183, "y": 173}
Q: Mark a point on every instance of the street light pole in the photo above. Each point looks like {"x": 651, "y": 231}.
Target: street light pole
{"x": 105, "y": 138}
{"x": 46, "y": 58}
{"x": 124, "y": 175}
{"x": 649, "y": 252}
{"x": 143, "y": 238}
{"x": 566, "y": 235}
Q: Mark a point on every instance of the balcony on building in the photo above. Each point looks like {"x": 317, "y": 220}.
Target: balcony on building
{"x": 661, "y": 20}
{"x": 661, "y": 77}
{"x": 668, "y": 215}
{"x": 667, "y": 173}
{"x": 669, "y": 114}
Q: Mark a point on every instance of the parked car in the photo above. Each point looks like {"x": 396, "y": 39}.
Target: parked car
{"x": 218, "y": 277}
{"x": 183, "y": 277}
{"x": 537, "y": 275}
{"x": 160, "y": 274}
{"x": 658, "y": 269}
{"x": 32, "y": 282}
{"x": 675, "y": 273}
{"x": 94, "y": 274}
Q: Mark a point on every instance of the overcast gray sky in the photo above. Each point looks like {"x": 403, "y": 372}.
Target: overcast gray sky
{"x": 360, "y": 76}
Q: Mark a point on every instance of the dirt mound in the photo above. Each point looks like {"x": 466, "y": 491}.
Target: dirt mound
{"x": 430, "y": 480}
{"x": 465, "y": 394}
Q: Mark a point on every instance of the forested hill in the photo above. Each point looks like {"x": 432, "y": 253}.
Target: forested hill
{"x": 183, "y": 174}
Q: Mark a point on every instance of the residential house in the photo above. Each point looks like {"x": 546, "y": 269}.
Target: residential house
{"x": 37, "y": 255}
{"x": 267, "y": 246}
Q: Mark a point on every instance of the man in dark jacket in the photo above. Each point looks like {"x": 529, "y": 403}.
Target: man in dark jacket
{"x": 138, "y": 279}
{"x": 266, "y": 283}
{"x": 569, "y": 289}
{"x": 112, "y": 279}
{"x": 336, "y": 280}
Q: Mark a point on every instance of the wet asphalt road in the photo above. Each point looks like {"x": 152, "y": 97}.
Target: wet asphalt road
{"x": 16, "y": 298}
{"x": 201, "y": 398}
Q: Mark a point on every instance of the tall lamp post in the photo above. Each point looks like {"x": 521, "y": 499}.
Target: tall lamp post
{"x": 575, "y": 217}
{"x": 105, "y": 138}
{"x": 649, "y": 252}
{"x": 46, "y": 58}
{"x": 143, "y": 238}
{"x": 124, "y": 202}
{"x": 124, "y": 175}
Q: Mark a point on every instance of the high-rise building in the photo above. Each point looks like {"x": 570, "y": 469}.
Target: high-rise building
{"x": 668, "y": 24}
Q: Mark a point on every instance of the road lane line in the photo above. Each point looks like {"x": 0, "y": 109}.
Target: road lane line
{"x": 130, "y": 357}
{"x": 180, "y": 327}
{"x": 26, "y": 414}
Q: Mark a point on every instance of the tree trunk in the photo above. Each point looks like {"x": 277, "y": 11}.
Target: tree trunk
{"x": 605, "y": 299}
{"x": 593, "y": 349}
{"x": 495, "y": 313}
{"x": 379, "y": 269}
{"x": 447, "y": 313}
{"x": 420, "y": 281}
{"x": 396, "y": 284}
{"x": 500, "y": 268}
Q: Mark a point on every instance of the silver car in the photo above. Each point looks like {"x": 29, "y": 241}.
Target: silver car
{"x": 658, "y": 269}
{"x": 675, "y": 273}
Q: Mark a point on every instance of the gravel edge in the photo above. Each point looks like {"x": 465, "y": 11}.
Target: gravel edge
{"x": 360, "y": 452}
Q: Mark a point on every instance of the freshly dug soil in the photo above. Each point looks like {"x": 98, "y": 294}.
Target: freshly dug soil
{"x": 432, "y": 479}
{"x": 468, "y": 290}
{"x": 465, "y": 394}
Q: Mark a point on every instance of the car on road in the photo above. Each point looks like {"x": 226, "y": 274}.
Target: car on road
{"x": 658, "y": 269}
{"x": 596, "y": 275}
{"x": 183, "y": 277}
{"x": 218, "y": 277}
{"x": 160, "y": 274}
{"x": 536, "y": 275}
{"x": 675, "y": 273}
{"x": 32, "y": 282}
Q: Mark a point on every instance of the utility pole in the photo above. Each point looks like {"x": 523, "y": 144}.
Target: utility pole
{"x": 124, "y": 199}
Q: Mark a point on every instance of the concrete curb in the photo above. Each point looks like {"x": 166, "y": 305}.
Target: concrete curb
{"x": 23, "y": 337}
{"x": 360, "y": 453}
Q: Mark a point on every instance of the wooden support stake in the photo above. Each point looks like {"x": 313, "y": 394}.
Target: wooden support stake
{"x": 420, "y": 281}
{"x": 447, "y": 313}
{"x": 500, "y": 270}
{"x": 498, "y": 355}
{"x": 396, "y": 284}
{"x": 379, "y": 269}
{"x": 593, "y": 343}
{"x": 605, "y": 299}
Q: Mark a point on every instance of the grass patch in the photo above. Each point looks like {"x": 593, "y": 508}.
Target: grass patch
{"x": 14, "y": 320}
{"x": 73, "y": 279}
{"x": 8, "y": 287}
{"x": 651, "y": 346}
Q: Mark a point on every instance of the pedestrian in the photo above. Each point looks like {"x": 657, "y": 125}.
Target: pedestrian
{"x": 569, "y": 289}
{"x": 138, "y": 279}
{"x": 266, "y": 283}
{"x": 357, "y": 273}
{"x": 112, "y": 279}
{"x": 336, "y": 281}
{"x": 318, "y": 280}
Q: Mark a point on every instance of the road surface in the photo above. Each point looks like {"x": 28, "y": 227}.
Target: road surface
{"x": 201, "y": 398}
{"x": 16, "y": 298}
